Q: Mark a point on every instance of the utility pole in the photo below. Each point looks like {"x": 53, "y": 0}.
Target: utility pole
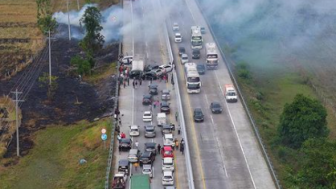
{"x": 17, "y": 120}
{"x": 69, "y": 20}
{"x": 49, "y": 59}
{"x": 78, "y": 4}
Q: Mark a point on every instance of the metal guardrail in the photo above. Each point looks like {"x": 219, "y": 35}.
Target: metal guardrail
{"x": 113, "y": 123}
{"x": 255, "y": 128}
{"x": 181, "y": 114}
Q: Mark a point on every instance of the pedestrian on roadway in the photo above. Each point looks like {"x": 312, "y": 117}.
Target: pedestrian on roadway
{"x": 127, "y": 80}
{"x": 133, "y": 84}
{"x": 176, "y": 116}
{"x": 136, "y": 165}
{"x": 140, "y": 81}
{"x": 178, "y": 129}
{"x": 176, "y": 143}
{"x": 136, "y": 144}
{"x": 124, "y": 83}
{"x": 182, "y": 148}
{"x": 159, "y": 148}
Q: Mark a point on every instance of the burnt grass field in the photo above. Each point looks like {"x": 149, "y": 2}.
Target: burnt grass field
{"x": 73, "y": 100}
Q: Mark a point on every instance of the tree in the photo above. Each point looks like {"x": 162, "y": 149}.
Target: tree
{"x": 83, "y": 65}
{"x": 304, "y": 118}
{"x": 45, "y": 21}
{"x": 44, "y": 82}
{"x": 93, "y": 40}
{"x": 317, "y": 168}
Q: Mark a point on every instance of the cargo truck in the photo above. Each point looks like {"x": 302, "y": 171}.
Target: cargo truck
{"x": 140, "y": 182}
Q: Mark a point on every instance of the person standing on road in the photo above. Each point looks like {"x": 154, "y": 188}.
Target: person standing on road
{"x": 136, "y": 165}
{"x": 136, "y": 144}
{"x": 159, "y": 148}
{"x": 176, "y": 143}
{"x": 176, "y": 116}
{"x": 182, "y": 148}
{"x": 133, "y": 84}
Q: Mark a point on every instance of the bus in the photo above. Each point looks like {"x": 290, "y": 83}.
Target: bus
{"x": 193, "y": 80}
{"x": 211, "y": 56}
{"x": 196, "y": 37}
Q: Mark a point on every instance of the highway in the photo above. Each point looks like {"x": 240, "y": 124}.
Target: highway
{"x": 142, "y": 37}
{"x": 225, "y": 150}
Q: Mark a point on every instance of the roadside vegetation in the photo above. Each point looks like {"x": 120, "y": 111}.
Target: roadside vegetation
{"x": 54, "y": 162}
{"x": 294, "y": 124}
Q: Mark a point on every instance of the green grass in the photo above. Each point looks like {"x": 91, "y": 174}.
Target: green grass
{"x": 102, "y": 73}
{"x": 54, "y": 160}
{"x": 276, "y": 90}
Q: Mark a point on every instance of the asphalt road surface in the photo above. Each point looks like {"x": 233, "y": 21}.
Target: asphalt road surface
{"x": 225, "y": 152}
{"x": 144, "y": 38}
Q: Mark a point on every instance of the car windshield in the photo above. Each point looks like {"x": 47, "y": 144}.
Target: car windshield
{"x": 193, "y": 86}
{"x": 146, "y": 170}
{"x": 134, "y": 129}
{"x": 184, "y": 58}
{"x": 167, "y": 177}
{"x": 147, "y": 114}
{"x": 200, "y": 67}
{"x": 169, "y": 163}
{"x": 231, "y": 94}
{"x": 216, "y": 105}
{"x": 193, "y": 79}
{"x": 168, "y": 153}
{"x": 198, "y": 113}
{"x": 150, "y": 129}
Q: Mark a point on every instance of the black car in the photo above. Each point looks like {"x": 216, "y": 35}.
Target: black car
{"x": 147, "y": 158}
{"x": 147, "y": 99}
{"x": 198, "y": 115}
{"x": 123, "y": 166}
{"x": 150, "y": 75}
{"x": 201, "y": 69}
{"x": 149, "y": 68}
{"x": 153, "y": 89}
{"x": 216, "y": 108}
{"x": 150, "y": 147}
{"x": 125, "y": 144}
{"x": 164, "y": 107}
{"x": 181, "y": 51}
{"x": 196, "y": 54}
{"x": 135, "y": 74}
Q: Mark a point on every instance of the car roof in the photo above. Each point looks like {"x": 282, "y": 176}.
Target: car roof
{"x": 147, "y": 96}
{"x": 184, "y": 55}
{"x": 147, "y": 166}
{"x": 146, "y": 153}
{"x": 177, "y": 33}
{"x": 168, "y": 135}
{"x": 125, "y": 140}
{"x": 165, "y": 91}
{"x": 215, "y": 103}
{"x": 134, "y": 127}
{"x": 167, "y": 173}
{"x": 149, "y": 126}
{"x": 181, "y": 48}
{"x": 168, "y": 160}
{"x": 133, "y": 151}
{"x": 147, "y": 112}
{"x": 164, "y": 126}
{"x": 198, "y": 110}
{"x": 153, "y": 86}
{"x": 123, "y": 162}
{"x": 150, "y": 144}
{"x": 164, "y": 103}
{"x": 200, "y": 65}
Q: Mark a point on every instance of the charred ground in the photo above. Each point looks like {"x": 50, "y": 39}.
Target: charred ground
{"x": 73, "y": 99}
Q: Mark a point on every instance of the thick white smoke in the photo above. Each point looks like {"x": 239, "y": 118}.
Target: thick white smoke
{"x": 111, "y": 19}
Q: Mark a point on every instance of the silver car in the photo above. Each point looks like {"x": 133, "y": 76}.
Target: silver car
{"x": 133, "y": 155}
{"x": 165, "y": 94}
{"x": 150, "y": 131}
{"x": 147, "y": 170}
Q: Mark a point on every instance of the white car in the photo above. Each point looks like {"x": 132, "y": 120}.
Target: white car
{"x": 168, "y": 164}
{"x": 176, "y": 27}
{"x": 184, "y": 58}
{"x": 178, "y": 37}
{"x": 167, "y": 178}
{"x": 159, "y": 71}
{"x": 167, "y": 67}
{"x": 134, "y": 130}
{"x": 127, "y": 60}
{"x": 168, "y": 140}
{"x": 147, "y": 116}
{"x": 147, "y": 170}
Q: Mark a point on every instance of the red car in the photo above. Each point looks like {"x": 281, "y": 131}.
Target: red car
{"x": 167, "y": 151}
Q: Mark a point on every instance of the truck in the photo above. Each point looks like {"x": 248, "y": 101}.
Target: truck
{"x": 211, "y": 56}
{"x": 161, "y": 119}
{"x": 119, "y": 180}
{"x": 196, "y": 37}
{"x": 230, "y": 93}
{"x": 138, "y": 67}
{"x": 140, "y": 181}
{"x": 193, "y": 80}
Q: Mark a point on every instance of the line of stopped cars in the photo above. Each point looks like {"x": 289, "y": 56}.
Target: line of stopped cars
{"x": 146, "y": 156}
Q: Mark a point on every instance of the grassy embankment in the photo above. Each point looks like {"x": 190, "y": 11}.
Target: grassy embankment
{"x": 54, "y": 160}
{"x": 266, "y": 93}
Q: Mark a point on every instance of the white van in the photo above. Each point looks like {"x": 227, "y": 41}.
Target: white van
{"x": 161, "y": 119}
